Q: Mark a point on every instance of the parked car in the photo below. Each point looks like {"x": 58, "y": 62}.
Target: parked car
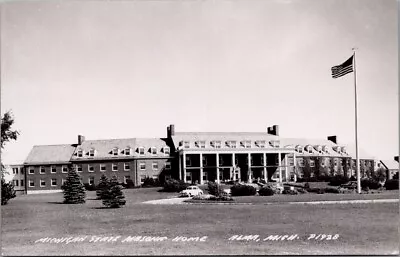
{"x": 191, "y": 191}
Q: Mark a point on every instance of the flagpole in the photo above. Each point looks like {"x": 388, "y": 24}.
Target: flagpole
{"x": 356, "y": 130}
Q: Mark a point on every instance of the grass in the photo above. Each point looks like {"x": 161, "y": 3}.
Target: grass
{"x": 363, "y": 228}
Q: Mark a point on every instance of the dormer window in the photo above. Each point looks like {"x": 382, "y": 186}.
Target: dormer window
{"x": 215, "y": 144}
{"x": 299, "y": 149}
{"x": 167, "y": 150}
{"x": 80, "y": 153}
{"x": 200, "y": 144}
{"x": 92, "y": 152}
{"x": 325, "y": 148}
{"x": 127, "y": 151}
{"x": 246, "y": 144}
{"x": 344, "y": 150}
{"x": 186, "y": 144}
{"x": 337, "y": 149}
{"x": 115, "y": 151}
{"x": 309, "y": 149}
{"x": 154, "y": 151}
{"x": 231, "y": 144}
{"x": 274, "y": 143}
{"x": 318, "y": 148}
{"x": 141, "y": 150}
{"x": 260, "y": 143}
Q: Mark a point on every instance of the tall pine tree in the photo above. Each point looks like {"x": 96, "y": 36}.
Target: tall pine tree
{"x": 114, "y": 197}
{"x": 102, "y": 187}
{"x": 73, "y": 189}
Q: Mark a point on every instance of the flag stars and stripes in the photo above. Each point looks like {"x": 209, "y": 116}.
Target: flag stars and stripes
{"x": 343, "y": 69}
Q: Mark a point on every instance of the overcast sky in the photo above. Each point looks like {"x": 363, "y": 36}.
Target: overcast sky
{"x": 118, "y": 69}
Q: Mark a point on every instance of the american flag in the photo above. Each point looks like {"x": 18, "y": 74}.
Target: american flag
{"x": 343, "y": 69}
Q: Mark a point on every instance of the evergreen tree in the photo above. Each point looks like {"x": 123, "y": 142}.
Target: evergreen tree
{"x": 73, "y": 189}
{"x": 114, "y": 197}
{"x": 102, "y": 187}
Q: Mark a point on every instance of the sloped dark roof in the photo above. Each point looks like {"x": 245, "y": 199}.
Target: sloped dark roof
{"x": 49, "y": 154}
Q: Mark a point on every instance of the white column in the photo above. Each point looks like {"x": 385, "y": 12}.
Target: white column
{"x": 294, "y": 167}
{"x": 201, "y": 169}
{"x": 184, "y": 167}
{"x": 286, "y": 168}
{"x": 279, "y": 168}
{"x": 217, "y": 168}
{"x": 180, "y": 165}
{"x": 249, "y": 177}
{"x": 233, "y": 164}
{"x": 265, "y": 166}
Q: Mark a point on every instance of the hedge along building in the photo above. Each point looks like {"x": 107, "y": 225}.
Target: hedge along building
{"x": 128, "y": 159}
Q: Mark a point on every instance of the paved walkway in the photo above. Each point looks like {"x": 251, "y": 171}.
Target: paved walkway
{"x": 181, "y": 200}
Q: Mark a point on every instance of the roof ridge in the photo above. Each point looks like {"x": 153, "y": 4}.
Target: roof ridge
{"x": 55, "y": 145}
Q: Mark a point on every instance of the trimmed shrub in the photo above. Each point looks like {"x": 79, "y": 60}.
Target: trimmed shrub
{"x": 89, "y": 187}
{"x": 215, "y": 189}
{"x": 243, "y": 190}
{"x": 370, "y": 183}
{"x": 266, "y": 191}
{"x": 289, "y": 192}
{"x": 150, "y": 182}
{"x": 392, "y": 184}
{"x": 129, "y": 184}
{"x": 332, "y": 190}
{"x": 338, "y": 180}
{"x": 173, "y": 185}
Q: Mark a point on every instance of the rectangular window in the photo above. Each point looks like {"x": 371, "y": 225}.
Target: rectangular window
{"x": 126, "y": 178}
{"x": 201, "y": 144}
{"x": 232, "y": 144}
{"x": 216, "y": 144}
{"x": 63, "y": 181}
{"x": 154, "y": 151}
{"x": 205, "y": 176}
{"x": 42, "y": 183}
{"x": 167, "y": 151}
{"x": 246, "y": 144}
{"x": 167, "y": 165}
{"x": 102, "y": 167}
{"x": 15, "y": 170}
{"x": 53, "y": 182}
{"x": 127, "y": 166}
{"x": 78, "y": 168}
{"x": 312, "y": 163}
{"x": 114, "y": 167}
{"x": 16, "y": 182}
{"x": 80, "y": 153}
{"x": 31, "y": 183}
{"x": 142, "y": 178}
{"x": 155, "y": 177}
{"x": 115, "y": 151}
{"x": 155, "y": 165}
{"x": 301, "y": 162}
{"x": 90, "y": 168}
{"x": 141, "y": 150}
{"x": 64, "y": 169}
{"x": 42, "y": 170}
{"x": 22, "y": 182}
{"x": 204, "y": 160}
{"x": 142, "y": 165}
{"x": 22, "y": 171}
{"x": 91, "y": 181}
{"x": 53, "y": 169}
{"x": 188, "y": 176}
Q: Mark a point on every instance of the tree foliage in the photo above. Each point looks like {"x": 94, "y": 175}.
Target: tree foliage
{"x": 73, "y": 189}
{"x": 114, "y": 197}
{"x": 7, "y": 135}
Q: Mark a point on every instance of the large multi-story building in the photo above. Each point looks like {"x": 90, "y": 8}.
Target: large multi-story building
{"x": 15, "y": 174}
{"x": 195, "y": 157}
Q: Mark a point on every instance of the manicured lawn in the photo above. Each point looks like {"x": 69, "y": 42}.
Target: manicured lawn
{"x": 362, "y": 228}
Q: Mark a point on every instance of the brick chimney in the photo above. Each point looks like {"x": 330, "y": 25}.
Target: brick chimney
{"x": 333, "y": 139}
{"x": 274, "y": 130}
{"x": 396, "y": 158}
{"x": 80, "y": 139}
{"x": 171, "y": 130}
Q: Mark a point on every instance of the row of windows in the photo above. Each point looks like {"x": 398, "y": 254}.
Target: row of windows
{"x": 54, "y": 181}
{"x": 16, "y": 170}
{"x": 17, "y": 182}
{"x": 127, "y": 151}
{"x": 231, "y": 144}
{"x": 114, "y": 167}
{"x": 319, "y": 149}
